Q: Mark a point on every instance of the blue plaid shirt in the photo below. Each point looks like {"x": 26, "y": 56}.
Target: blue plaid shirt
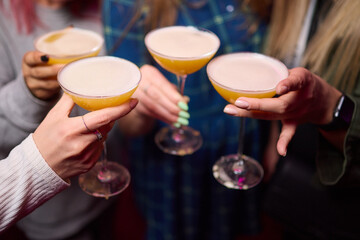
{"x": 178, "y": 196}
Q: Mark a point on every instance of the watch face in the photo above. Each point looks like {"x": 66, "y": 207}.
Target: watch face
{"x": 346, "y": 110}
{"x": 342, "y": 115}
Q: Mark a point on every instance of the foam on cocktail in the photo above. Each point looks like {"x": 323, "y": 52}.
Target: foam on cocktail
{"x": 182, "y": 42}
{"x": 246, "y": 74}
{"x": 182, "y": 50}
{"x": 69, "y": 43}
{"x": 99, "y": 82}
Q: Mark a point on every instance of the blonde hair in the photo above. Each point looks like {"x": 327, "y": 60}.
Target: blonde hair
{"x": 333, "y": 52}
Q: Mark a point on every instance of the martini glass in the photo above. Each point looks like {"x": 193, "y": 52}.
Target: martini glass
{"x": 181, "y": 50}
{"x": 237, "y": 75}
{"x": 69, "y": 44}
{"x": 95, "y": 83}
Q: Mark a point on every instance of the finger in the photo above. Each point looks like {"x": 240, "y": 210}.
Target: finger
{"x": 45, "y": 71}
{"x": 273, "y": 105}
{"x": 99, "y": 118}
{"x": 152, "y": 76}
{"x": 287, "y": 132}
{"x": 33, "y": 58}
{"x": 64, "y": 106}
{"x": 238, "y": 112}
{"x": 171, "y": 92}
{"x": 157, "y": 112}
{"x": 156, "y": 99}
{"x": 298, "y": 78}
{"x": 45, "y": 84}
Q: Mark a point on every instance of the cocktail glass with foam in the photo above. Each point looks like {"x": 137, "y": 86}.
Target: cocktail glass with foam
{"x": 69, "y": 44}
{"x": 237, "y": 75}
{"x": 95, "y": 83}
{"x": 181, "y": 50}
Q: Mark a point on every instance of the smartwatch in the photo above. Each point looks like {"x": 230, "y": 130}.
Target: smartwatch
{"x": 342, "y": 115}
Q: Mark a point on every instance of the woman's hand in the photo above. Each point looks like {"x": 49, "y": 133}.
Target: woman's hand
{"x": 40, "y": 78}
{"x": 304, "y": 98}
{"x": 66, "y": 144}
{"x": 158, "y": 99}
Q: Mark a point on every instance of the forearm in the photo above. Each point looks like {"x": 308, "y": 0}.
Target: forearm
{"x": 26, "y": 182}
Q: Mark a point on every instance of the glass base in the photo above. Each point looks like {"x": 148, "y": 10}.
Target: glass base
{"x": 238, "y": 172}
{"x": 178, "y": 141}
{"x": 116, "y": 180}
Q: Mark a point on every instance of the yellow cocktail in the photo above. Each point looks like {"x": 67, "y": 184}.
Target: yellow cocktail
{"x": 237, "y": 75}
{"x": 99, "y": 82}
{"x": 245, "y": 75}
{"x": 69, "y": 44}
{"x": 181, "y": 50}
{"x": 94, "y": 83}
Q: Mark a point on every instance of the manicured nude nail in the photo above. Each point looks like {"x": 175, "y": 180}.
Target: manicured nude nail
{"x": 183, "y": 106}
{"x": 229, "y": 110}
{"x": 44, "y": 58}
{"x": 177, "y": 125}
{"x": 133, "y": 102}
{"x": 183, "y": 121}
{"x": 283, "y": 90}
{"x": 241, "y": 104}
{"x": 184, "y": 114}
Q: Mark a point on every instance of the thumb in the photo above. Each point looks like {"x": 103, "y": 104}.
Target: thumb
{"x": 298, "y": 78}
{"x": 99, "y": 118}
{"x": 287, "y": 132}
{"x": 64, "y": 105}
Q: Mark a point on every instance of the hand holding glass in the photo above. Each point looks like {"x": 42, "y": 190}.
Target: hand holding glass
{"x": 95, "y": 83}
{"x": 181, "y": 50}
{"x": 243, "y": 75}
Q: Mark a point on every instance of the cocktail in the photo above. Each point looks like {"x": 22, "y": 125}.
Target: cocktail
{"x": 69, "y": 44}
{"x": 181, "y": 50}
{"x": 243, "y": 75}
{"x": 96, "y": 83}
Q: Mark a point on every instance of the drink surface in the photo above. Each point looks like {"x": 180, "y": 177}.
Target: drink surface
{"x": 182, "y": 49}
{"x": 245, "y": 74}
{"x": 99, "y": 82}
{"x": 182, "y": 42}
{"x": 69, "y": 43}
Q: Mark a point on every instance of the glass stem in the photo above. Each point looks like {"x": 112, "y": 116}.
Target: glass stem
{"x": 103, "y": 175}
{"x": 241, "y": 137}
{"x": 181, "y": 83}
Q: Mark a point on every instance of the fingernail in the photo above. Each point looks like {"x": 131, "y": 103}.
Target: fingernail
{"x": 183, "y": 106}
{"x": 229, "y": 110}
{"x": 184, "y": 114}
{"x": 241, "y": 104}
{"x": 183, "y": 121}
{"x": 177, "y": 125}
{"x": 187, "y": 99}
{"x": 133, "y": 103}
{"x": 44, "y": 58}
{"x": 283, "y": 90}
